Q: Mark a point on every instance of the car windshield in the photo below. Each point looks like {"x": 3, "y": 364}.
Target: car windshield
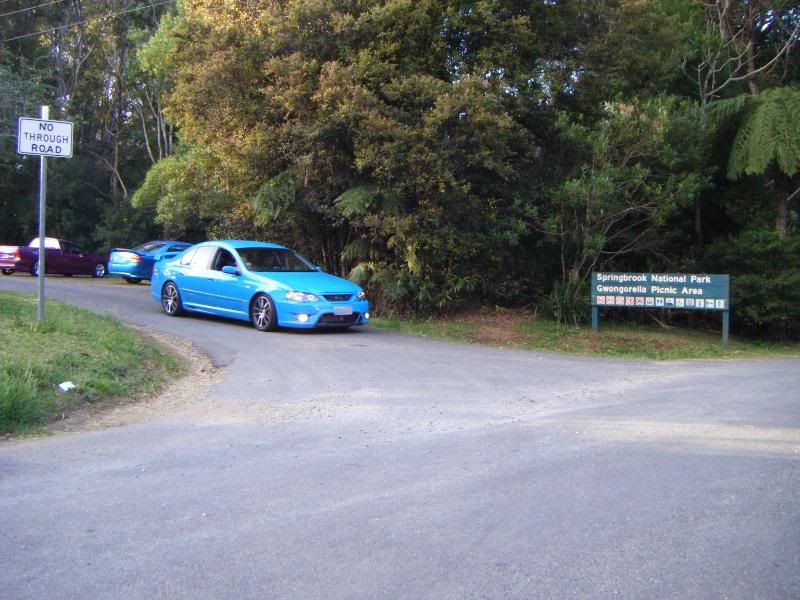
{"x": 274, "y": 260}
{"x": 149, "y": 246}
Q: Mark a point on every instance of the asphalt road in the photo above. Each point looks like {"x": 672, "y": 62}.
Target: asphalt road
{"x": 376, "y": 465}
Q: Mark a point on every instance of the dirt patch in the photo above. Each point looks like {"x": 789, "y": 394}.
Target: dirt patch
{"x": 185, "y": 395}
{"x": 500, "y": 327}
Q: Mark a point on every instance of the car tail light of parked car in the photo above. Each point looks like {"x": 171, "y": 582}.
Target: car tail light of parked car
{"x": 127, "y": 257}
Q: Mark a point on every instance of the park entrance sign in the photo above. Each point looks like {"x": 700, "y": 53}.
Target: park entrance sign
{"x": 675, "y": 291}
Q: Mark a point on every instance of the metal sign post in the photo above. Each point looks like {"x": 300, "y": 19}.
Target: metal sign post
{"x": 43, "y": 138}
{"x": 42, "y": 205}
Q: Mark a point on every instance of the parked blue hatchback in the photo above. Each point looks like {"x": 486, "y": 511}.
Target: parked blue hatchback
{"x": 266, "y": 284}
{"x": 137, "y": 263}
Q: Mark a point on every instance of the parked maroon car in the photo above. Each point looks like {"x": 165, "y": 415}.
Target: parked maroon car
{"x": 61, "y": 257}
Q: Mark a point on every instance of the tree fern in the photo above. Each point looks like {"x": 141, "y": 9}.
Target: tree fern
{"x": 769, "y": 131}
{"x": 274, "y": 197}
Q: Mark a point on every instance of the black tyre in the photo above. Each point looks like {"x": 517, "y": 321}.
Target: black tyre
{"x": 99, "y": 270}
{"x": 8, "y": 271}
{"x": 35, "y": 269}
{"x": 262, "y": 313}
{"x": 132, "y": 280}
{"x": 171, "y": 299}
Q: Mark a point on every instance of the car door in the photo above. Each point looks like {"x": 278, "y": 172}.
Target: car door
{"x": 53, "y": 254}
{"x": 227, "y": 292}
{"x": 191, "y": 280}
{"x": 72, "y": 260}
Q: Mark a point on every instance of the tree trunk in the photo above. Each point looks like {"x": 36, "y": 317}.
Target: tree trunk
{"x": 698, "y": 224}
{"x": 782, "y": 190}
{"x": 781, "y": 216}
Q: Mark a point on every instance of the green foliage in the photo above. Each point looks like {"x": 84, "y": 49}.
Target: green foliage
{"x": 182, "y": 191}
{"x": 122, "y": 225}
{"x": 275, "y": 196}
{"x": 568, "y": 303}
{"x": 626, "y": 176}
{"x": 638, "y": 48}
{"x": 22, "y": 90}
{"x": 769, "y": 132}
{"x": 22, "y": 406}
{"x": 765, "y": 281}
{"x": 767, "y": 127}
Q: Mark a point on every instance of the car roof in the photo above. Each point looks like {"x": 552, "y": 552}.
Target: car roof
{"x": 239, "y": 244}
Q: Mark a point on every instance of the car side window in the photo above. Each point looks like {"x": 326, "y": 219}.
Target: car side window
{"x": 202, "y": 258}
{"x": 70, "y": 248}
{"x": 223, "y": 259}
{"x": 187, "y": 258}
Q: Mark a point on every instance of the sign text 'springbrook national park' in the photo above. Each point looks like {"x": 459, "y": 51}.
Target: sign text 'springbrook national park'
{"x": 678, "y": 291}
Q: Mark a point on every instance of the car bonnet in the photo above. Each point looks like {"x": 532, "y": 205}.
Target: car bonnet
{"x": 314, "y": 282}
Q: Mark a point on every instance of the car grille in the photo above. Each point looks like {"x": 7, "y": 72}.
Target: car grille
{"x": 337, "y": 297}
{"x": 339, "y": 319}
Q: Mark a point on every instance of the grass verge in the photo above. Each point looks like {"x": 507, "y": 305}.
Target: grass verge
{"x": 102, "y": 358}
{"x": 520, "y": 330}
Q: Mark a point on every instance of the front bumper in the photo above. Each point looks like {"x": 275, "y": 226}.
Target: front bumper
{"x": 310, "y": 315}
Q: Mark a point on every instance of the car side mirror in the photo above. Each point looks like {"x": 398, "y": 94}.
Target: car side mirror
{"x": 230, "y": 270}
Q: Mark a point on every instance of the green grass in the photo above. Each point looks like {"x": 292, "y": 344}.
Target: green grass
{"x": 101, "y": 357}
{"x": 623, "y": 340}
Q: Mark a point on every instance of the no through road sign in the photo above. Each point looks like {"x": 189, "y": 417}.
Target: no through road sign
{"x": 40, "y": 137}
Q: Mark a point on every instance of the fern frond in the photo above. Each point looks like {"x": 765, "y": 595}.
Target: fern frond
{"x": 274, "y": 197}
{"x": 356, "y": 250}
{"x": 769, "y": 133}
{"x": 357, "y": 201}
{"x": 721, "y": 111}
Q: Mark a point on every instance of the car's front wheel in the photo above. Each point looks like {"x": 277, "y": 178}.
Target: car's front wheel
{"x": 171, "y": 300}
{"x": 35, "y": 269}
{"x": 262, "y": 313}
{"x": 99, "y": 270}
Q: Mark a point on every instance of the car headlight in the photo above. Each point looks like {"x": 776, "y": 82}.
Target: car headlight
{"x": 361, "y": 295}
{"x": 301, "y": 297}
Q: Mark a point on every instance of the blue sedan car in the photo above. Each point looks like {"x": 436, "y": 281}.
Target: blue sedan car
{"x": 266, "y": 284}
{"x": 137, "y": 264}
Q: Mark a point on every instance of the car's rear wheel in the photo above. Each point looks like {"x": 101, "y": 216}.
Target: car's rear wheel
{"x": 8, "y": 271}
{"x": 262, "y": 313}
{"x": 132, "y": 280}
{"x": 99, "y": 270}
{"x": 171, "y": 300}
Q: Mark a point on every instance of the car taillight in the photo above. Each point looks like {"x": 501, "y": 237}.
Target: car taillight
{"x": 129, "y": 257}
{"x": 17, "y": 256}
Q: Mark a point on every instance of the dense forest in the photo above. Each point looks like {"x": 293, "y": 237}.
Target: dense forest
{"x": 442, "y": 153}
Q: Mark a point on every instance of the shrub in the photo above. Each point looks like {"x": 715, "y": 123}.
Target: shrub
{"x": 765, "y": 281}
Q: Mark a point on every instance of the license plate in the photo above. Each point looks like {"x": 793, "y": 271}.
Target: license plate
{"x": 343, "y": 310}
